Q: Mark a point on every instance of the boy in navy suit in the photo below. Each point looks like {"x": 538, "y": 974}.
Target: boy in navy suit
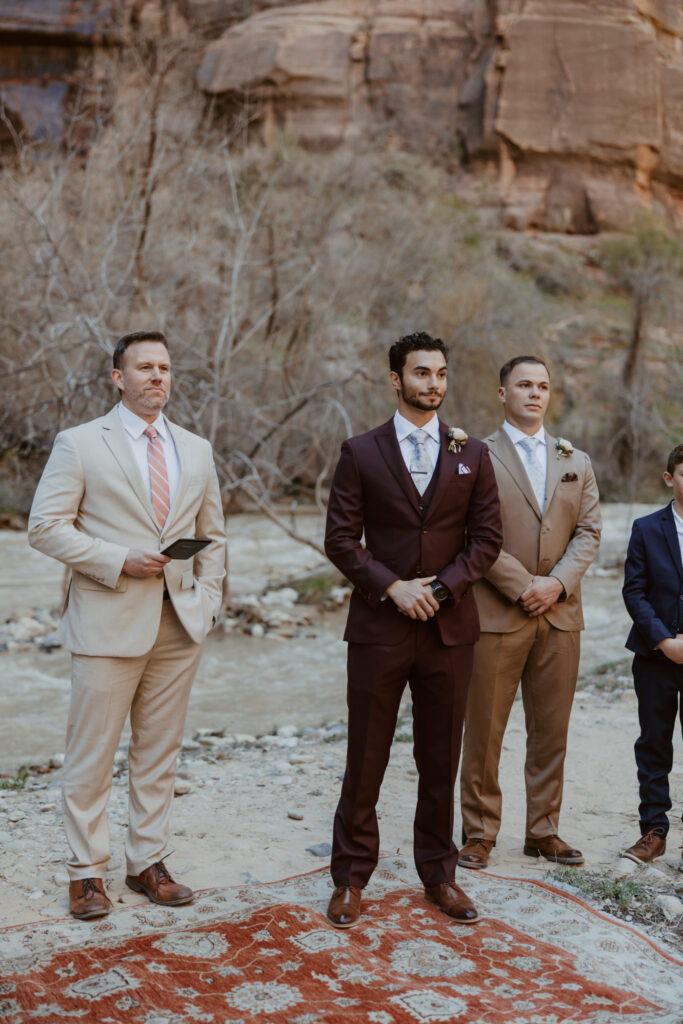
{"x": 653, "y": 593}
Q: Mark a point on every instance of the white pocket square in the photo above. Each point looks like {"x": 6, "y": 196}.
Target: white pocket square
{"x": 463, "y": 469}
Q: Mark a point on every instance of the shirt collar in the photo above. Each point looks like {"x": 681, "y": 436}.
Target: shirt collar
{"x": 677, "y": 519}
{"x": 404, "y": 427}
{"x": 136, "y": 426}
{"x": 517, "y": 435}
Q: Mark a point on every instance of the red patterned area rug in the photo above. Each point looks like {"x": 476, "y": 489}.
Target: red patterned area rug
{"x": 264, "y": 954}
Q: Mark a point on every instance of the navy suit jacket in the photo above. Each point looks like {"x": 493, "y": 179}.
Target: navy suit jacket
{"x": 653, "y": 582}
{"x": 458, "y": 539}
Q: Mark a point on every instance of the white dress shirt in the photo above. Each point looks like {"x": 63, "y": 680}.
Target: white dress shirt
{"x": 540, "y": 450}
{"x": 135, "y": 428}
{"x": 678, "y": 522}
{"x": 403, "y": 427}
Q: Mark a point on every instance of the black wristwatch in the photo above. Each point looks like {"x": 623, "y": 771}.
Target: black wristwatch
{"x": 440, "y": 592}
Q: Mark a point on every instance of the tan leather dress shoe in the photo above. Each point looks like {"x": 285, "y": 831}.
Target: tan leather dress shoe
{"x": 87, "y": 898}
{"x": 156, "y": 883}
{"x": 475, "y": 853}
{"x": 343, "y": 910}
{"x": 450, "y": 898}
{"x": 648, "y": 848}
{"x": 553, "y": 848}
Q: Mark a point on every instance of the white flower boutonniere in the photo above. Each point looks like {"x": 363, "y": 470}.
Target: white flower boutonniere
{"x": 564, "y": 448}
{"x": 457, "y": 439}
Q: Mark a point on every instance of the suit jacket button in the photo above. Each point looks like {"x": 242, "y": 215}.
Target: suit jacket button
{"x": 422, "y": 508}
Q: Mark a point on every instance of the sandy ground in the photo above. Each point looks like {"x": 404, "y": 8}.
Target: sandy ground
{"x": 254, "y": 802}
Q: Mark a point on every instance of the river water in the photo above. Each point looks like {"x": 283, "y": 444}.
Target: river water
{"x": 247, "y": 684}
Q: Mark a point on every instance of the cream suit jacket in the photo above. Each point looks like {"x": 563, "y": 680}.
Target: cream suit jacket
{"x": 91, "y": 507}
{"x": 562, "y": 542}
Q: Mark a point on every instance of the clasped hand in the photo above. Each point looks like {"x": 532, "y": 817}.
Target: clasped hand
{"x": 541, "y": 594}
{"x": 672, "y": 647}
{"x": 144, "y": 563}
{"x": 414, "y": 598}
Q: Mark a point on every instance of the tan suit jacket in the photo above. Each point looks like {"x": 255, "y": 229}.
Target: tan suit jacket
{"x": 562, "y": 542}
{"x": 91, "y": 507}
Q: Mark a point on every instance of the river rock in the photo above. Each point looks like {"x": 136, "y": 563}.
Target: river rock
{"x": 320, "y": 850}
{"x": 624, "y": 867}
{"x": 671, "y": 905}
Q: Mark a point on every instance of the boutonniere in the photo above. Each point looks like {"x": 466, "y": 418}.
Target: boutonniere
{"x": 564, "y": 448}
{"x": 457, "y": 439}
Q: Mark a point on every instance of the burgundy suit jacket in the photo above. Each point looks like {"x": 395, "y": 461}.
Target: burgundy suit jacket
{"x": 458, "y": 539}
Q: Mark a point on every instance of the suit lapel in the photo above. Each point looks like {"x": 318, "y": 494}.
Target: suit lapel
{"x": 391, "y": 452}
{"x": 502, "y": 448}
{"x": 671, "y": 537}
{"x": 183, "y": 452}
{"x": 114, "y": 435}
{"x": 447, "y": 470}
{"x": 554, "y": 469}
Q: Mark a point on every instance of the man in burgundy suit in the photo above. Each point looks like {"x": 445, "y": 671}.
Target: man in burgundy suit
{"x": 428, "y": 509}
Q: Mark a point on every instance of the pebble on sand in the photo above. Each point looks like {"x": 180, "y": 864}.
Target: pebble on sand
{"x": 295, "y": 815}
{"x": 320, "y": 850}
{"x": 671, "y": 905}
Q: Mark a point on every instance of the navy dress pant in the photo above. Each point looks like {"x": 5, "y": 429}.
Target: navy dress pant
{"x": 659, "y": 688}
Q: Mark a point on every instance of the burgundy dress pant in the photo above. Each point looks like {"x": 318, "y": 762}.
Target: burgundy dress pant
{"x": 439, "y": 677}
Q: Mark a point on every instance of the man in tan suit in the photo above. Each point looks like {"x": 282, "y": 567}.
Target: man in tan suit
{"x": 114, "y": 493}
{"x": 529, "y": 606}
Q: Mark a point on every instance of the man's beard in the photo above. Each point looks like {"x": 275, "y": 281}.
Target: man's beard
{"x": 153, "y": 402}
{"x": 418, "y": 403}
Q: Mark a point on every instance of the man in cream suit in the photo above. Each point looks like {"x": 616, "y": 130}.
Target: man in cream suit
{"x": 114, "y": 492}
{"x": 529, "y": 606}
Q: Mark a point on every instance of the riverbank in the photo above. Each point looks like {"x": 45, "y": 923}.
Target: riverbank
{"x": 259, "y": 774}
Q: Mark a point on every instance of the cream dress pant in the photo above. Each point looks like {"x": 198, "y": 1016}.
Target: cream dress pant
{"x": 155, "y": 689}
{"x": 546, "y": 662}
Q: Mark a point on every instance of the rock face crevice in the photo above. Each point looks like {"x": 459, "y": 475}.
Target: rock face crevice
{"x": 47, "y": 64}
{"x": 579, "y": 101}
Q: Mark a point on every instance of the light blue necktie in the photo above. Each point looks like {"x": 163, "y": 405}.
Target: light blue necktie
{"x": 533, "y": 469}
{"x": 420, "y": 464}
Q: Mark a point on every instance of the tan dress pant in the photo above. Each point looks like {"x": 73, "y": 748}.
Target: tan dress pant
{"x": 155, "y": 689}
{"x": 546, "y": 661}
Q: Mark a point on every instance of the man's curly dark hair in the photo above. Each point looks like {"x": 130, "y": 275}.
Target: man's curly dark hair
{"x": 420, "y": 341}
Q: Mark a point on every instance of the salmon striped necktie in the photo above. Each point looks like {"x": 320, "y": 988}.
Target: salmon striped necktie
{"x": 158, "y": 478}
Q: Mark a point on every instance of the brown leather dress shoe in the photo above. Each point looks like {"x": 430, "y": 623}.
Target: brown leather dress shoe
{"x": 87, "y": 898}
{"x": 648, "y": 848}
{"x": 475, "y": 853}
{"x": 156, "y": 883}
{"x": 552, "y": 848}
{"x": 450, "y": 898}
{"x": 343, "y": 910}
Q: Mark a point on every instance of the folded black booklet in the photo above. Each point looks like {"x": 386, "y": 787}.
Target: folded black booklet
{"x": 186, "y": 547}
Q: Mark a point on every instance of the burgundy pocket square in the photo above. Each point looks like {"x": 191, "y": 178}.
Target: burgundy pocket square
{"x": 569, "y": 478}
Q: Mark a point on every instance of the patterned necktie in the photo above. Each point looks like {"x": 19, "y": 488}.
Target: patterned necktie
{"x": 533, "y": 469}
{"x": 158, "y": 478}
{"x": 420, "y": 464}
